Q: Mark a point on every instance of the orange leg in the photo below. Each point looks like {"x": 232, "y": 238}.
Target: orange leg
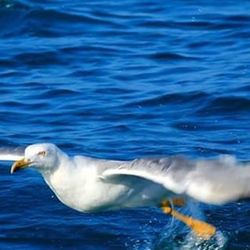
{"x": 200, "y": 228}
{"x": 176, "y": 201}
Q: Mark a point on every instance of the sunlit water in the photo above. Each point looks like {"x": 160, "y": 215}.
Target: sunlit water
{"x": 119, "y": 80}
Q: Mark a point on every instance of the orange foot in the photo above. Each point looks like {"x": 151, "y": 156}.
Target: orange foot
{"x": 200, "y": 228}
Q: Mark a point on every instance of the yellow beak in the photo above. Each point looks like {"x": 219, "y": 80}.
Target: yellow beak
{"x": 23, "y": 163}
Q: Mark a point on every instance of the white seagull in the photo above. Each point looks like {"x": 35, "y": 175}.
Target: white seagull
{"x": 92, "y": 185}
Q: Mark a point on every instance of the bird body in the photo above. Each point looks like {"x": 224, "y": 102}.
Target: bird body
{"x": 93, "y": 185}
{"x": 89, "y": 192}
{"x": 89, "y": 184}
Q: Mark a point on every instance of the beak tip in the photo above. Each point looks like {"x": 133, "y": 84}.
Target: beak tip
{"x": 13, "y": 169}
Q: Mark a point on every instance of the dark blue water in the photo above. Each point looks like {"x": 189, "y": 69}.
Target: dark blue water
{"x": 120, "y": 80}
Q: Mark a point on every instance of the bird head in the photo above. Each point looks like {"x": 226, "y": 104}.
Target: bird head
{"x": 43, "y": 157}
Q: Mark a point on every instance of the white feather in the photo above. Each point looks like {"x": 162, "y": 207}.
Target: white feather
{"x": 10, "y": 157}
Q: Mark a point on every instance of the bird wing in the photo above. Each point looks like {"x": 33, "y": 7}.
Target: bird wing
{"x": 11, "y": 154}
{"x": 210, "y": 181}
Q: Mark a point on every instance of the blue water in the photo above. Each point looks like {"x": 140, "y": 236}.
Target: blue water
{"x": 120, "y": 80}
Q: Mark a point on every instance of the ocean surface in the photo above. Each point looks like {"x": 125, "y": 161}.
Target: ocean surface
{"x": 121, "y": 80}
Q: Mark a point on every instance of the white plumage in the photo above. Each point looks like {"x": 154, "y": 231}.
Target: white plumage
{"x": 91, "y": 185}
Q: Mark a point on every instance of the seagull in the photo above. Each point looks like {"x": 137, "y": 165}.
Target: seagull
{"x": 96, "y": 185}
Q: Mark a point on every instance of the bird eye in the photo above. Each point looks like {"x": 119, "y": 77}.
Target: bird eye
{"x": 42, "y": 153}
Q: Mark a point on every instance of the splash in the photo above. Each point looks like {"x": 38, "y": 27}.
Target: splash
{"x": 218, "y": 242}
{"x": 176, "y": 236}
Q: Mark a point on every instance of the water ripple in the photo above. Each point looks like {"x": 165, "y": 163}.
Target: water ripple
{"x": 175, "y": 98}
{"x": 121, "y": 80}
